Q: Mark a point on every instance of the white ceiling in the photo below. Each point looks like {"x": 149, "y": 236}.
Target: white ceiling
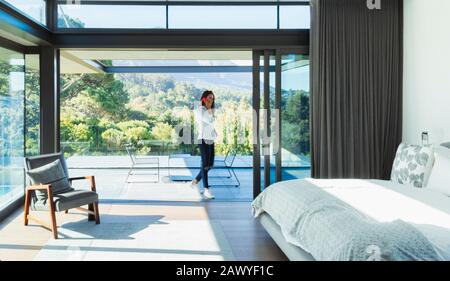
{"x": 161, "y": 54}
{"x": 15, "y": 38}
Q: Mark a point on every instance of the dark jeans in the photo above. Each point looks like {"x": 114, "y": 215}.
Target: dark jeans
{"x": 207, "y": 151}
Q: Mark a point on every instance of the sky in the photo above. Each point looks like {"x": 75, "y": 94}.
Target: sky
{"x": 133, "y": 16}
{"x": 295, "y": 78}
{"x": 189, "y": 16}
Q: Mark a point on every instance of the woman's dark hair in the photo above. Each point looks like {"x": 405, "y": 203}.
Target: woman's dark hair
{"x": 205, "y": 95}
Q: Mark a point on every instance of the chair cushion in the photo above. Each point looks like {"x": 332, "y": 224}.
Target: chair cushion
{"x": 52, "y": 173}
{"x": 68, "y": 200}
{"x": 34, "y": 162}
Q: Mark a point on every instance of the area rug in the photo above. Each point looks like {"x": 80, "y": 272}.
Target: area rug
{"x": 144, "y": 238}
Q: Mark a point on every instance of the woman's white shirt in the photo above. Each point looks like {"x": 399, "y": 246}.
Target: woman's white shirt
{"x": 205, "y": 123}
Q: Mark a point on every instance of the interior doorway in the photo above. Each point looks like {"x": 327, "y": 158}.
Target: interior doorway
{"x": 111, "y": 98}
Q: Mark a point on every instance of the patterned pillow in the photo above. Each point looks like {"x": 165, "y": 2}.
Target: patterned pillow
{"x": 412, "y": 165}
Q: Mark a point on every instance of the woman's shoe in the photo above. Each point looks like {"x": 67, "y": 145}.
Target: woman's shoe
{"x": 194, "y": 185}
{"x": 208, "y": 194}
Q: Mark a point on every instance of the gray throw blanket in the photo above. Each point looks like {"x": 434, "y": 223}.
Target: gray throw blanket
{"x": 332, "y": 230}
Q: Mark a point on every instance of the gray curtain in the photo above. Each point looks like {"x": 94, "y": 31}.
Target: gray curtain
{"x": 356, "y": 88}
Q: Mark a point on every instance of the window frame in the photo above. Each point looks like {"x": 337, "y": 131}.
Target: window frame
{"x": 167, "y": 4}
{"x": 7, "y": 209}
{"x": 44, "y": 24}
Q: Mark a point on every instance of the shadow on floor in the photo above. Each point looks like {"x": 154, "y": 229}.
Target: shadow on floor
{"x": 112, "y": 227}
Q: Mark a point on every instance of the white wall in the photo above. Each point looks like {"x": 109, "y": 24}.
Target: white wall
{"x": 426, "y": 78}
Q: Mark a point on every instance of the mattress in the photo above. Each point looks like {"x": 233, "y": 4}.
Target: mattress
{"x": 385, "y": 201}
{"x": 294, "y": 253}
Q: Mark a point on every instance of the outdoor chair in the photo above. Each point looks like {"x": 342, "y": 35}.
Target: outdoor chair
{"x": 50, "y": 189}
{"x": 227, "y": 162}
{"x": 140, "y": 162}
{"x": 177, "y": 178}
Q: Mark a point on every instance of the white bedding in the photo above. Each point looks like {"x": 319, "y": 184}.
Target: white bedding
{"x": 386, "y": 201}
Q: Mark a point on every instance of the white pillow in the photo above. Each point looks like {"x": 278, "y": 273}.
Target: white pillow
{"x": 443, "y": 151}
{"x": 412, "y": 165}
{"x": 440, "y": 174}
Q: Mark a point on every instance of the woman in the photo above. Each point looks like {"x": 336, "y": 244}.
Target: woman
{"x": 204, "y": 117}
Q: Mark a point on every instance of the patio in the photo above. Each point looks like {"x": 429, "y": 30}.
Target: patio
{"x": 124, "y": 162}
{"x": 111, "y": 172}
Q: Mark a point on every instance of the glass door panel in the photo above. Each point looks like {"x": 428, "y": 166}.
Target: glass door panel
{"x": 12, "y": 88}
{"x": 267, "y": 133}
{"x": 295, "y": 137}
{"x": 281, "y": 90}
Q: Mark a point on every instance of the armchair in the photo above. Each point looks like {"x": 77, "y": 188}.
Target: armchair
{"x": 52, "y": 201}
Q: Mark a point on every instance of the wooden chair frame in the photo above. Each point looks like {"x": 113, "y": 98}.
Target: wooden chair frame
{"x": 92, "y": 210}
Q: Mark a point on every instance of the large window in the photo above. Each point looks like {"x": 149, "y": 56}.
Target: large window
{"x": 111, "y": 16}
{"x": 295, "y": 136}
{"x": 100, "y": 113}
{"x": 284, "y": 117}
{"x": 198, "y": 17}
{"x": 294, "y": 17}
{"x": 204, "y": 14}
{"x": 32, "y": 105}
{"x": 32, "y": 8}
{"x": 12, "y": 88}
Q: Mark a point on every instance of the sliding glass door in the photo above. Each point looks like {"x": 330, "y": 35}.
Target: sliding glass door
{"x": 281, "y": 117}
{"x": 19, "y": 120}
{"x": 12, "y": 110}
{"x": 295, "y": 138}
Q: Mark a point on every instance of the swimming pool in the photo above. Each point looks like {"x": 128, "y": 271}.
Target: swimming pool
{"x": 4, "y": 190}
{"x": 9, "y": 193}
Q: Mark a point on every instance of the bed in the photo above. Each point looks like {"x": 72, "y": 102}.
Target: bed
{"x": 414, "y": 222}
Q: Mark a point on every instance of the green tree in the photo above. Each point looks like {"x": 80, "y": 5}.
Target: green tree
{"x": 108, "y": 92}
{"x": 137, "y": 107}
{"x": 295, "y": 127}
{"x": 163, "y": 131}
{"x": 32, "y": 102}
{"x": 68, "y": 22}
{"x": 113, "y": 138}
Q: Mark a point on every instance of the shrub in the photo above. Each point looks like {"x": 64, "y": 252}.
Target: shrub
{"x": 163, "y": 131}
{"x": 113, "y": 138}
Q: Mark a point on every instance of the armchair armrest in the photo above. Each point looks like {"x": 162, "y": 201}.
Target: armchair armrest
{"x": 47, "y": 187}
{"x": 89, "y": 178}
{"x": 81, "y": 178}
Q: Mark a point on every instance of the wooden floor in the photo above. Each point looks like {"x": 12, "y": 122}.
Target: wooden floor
{"x": 170, "y": 201}
{"x": 248, "y": 240}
